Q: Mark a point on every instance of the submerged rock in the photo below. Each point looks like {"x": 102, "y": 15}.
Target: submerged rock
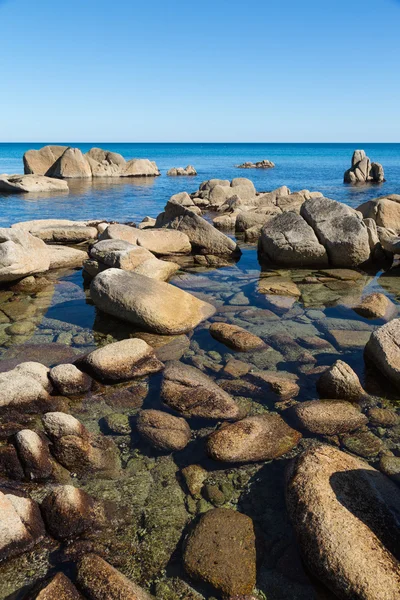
{"x": 328, "y": 417}
{"x": 235, "y": 337}
{"x": 221, "y": 551}
{"x": 345, "y": 516}
{"x": 59, "y": 588}
{"x": 253, "y": 439}
{"x": 193, "y": 394}
{"x": 21, "y": 526}
{"x": 383, "y": 351}
{"x": 69, "y": 512}
{"x": 376, "y": 306}
{"x": 122, "y": 360}
{"x": 163, "y": 431}
{"x": 153, "y": 305}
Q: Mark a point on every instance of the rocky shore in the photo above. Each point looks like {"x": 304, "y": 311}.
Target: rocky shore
{"x": 222, "y": 431}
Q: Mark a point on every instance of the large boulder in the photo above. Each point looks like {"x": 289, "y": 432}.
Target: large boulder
{"x": 341, "y": 382}
{"x": 340, "y": 229}
{"x": 385, "y": 211}
{"x": 153, "y": 305}
{"x": 21, "y": 254}
{"x": 105, "y": 164}
{"x": 161, "y": 242}
{"x": 39, "y": 162}
{"x": 21, "y": 525}
{"x": 20, "y": 184}
{"x": 346, "y": 518}
{"x": 71, "y": 165}
{"x": 328, "y": 417}
{"x": 221, "y": 552}
{"x": 236, "y": 337}
{"x": 163, "y": 431}
{"x": 205, "y": 239}
{"x": 63, "y": 257}
{"x": 362, "y": 170}
{"x": 119, "y": 254}
{"x": 288, "y": 240}
{"x": 253, "y": 439}
{"x": 191, "y": 393}
{"x": 140, "y": 167}
{"x": 383, "y": 351}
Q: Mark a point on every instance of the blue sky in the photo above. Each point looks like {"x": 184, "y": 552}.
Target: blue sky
{"x": 220, "y": 70}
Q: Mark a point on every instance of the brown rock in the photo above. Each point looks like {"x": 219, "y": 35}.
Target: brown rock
{"x": 341, "y": 382}
{"x": 59, "y": 588}
{"x": 163, "y": 431}
{"x": 69, "y": 380}
{"x": 235, "y": 337}
{"x": 383, "y": 350}
{"x": 21, "y": 526}
{"x": 34, "y": 455}
{"x": 283, "y": 385}
{"x": 376, "y": 306}
{"x": 68, "y": 512}
{"x": 328, "y": 417}
{"x": 194, "y": 476}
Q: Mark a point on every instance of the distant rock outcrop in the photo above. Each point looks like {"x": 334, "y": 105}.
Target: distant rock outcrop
{"x": 63, "y": 162}
{"x": 363, "y": 170}
{"x": 21, "y": 184}
{"x": 188, "y": 171}
{"x": 260, "y": 164}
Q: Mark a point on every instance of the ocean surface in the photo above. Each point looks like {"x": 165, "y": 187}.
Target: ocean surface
{"x": 317, "y": 167}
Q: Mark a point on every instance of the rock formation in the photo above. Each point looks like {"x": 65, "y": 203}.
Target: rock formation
{"x": 260, "y": 164}
{"x": 362, "y": 170}
{"x": 188, "y": 171}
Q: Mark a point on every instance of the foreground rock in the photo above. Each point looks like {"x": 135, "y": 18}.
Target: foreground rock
{"x": 59, "y": 588}
{"x": 188, "y": 171}
{"x": 63, "y": 257}
{"x": 221, "y": 551}
{"x": 163, "y": 431}
{"x": 160, "y": 242}
{"x": 235, "y": 337}
{"x": 376, "y": 306}
{"x": 383, "y": 351}
{"x": 65, "y": 162}
{"x": 385, "y": 211}
{"x": 328, "y": 417}
{"x": 335, "y": 500}
{"x": 362, "y": 170}
{"x": 153, "y": 305}
{"x": 69, "y": 512}
{"x": 21, "y": 255}
{"x": 253, "y": 439}
{"x": 100, "y": 581}
{"x": 21, "y": 525}
{"x": 24, "y": 387}
{"x": 193, "y": 394}
{"x": 341, "y": 382}
{"x": 34, "y": 455}
{"x": 22, "y": 184}
{"x": 69, "y": 380}
{"x": 260, "y": 164}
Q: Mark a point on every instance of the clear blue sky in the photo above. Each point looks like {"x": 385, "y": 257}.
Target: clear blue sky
{"x": 206, "y": 70}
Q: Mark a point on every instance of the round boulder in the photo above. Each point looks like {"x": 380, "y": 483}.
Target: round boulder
{"x": 235, "y": 337}
{"x": 163, "y": 431}
{"x": 328, "y": 417}
{"x": 69, "y": 380}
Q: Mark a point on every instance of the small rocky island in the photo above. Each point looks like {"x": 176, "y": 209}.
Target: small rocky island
{"x": 188, "y": 171}
{"x": 362, "y": 170}
{"x": 261, "y": 164}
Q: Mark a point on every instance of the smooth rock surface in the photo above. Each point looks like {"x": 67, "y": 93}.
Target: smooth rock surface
{"x": 22, "y": 184}
{"x": 235, "y": 337}
{"x": 21, "y": 255}
{"x": 328, "y": 417}
{"x": 341, "y": 382}
{"x": 163, "y": 431}
{"x": 383, "y": 351}
{"x": 69, "y": 380}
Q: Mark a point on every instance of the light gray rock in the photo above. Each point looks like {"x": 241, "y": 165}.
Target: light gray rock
{"x": 341, "y": 382}
{"x": 385, "y": 211}
{"x": 63, "y": 257}
{"x": 105, "y": 164}
{"x": 179, "y": 171}
{"x": 21, "y": 255}
{"x": 140, "y": 167}
{"x": 362, "y": 170}
{"x": 21, "y": 390}
{"x": 68, "y": 512}
{"x": 153, "y": 305}
{"x": 119, "y": 254}
{"x": 383, "y": 350}
{"x": 23, "y": 184}
{"x": 21, "y": 525}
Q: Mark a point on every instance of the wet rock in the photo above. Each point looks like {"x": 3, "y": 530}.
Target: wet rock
{"x": 21, "y": 255}
{"x": 253, "y": 439}
{"x": 363, "y": 443}
{"x": 21, "y": 526}
{"x": 191, "y": 393}
{"x": 68, "y": 512}
{"x": 347, "y": 339}
{"x": 34, "y": 455}
{"x": 221, "y": 551}
{"x": 69, "y": 380}
{"x": 20, "y": 184}
{"x": 153, "y": 305}
{"x": 341, "y": 382}
{"x": 383, "y": 417}
{"x": 288, "y": 239}
{"x": 166, "y": 347}
{"x": 376, "y": 306}
{"x": 100, "y": 581}
{"x": 122, "y": 360}
{"x": 235, "y": 337}
{"x": 163, "y": 431}
{"x": 63, "y": 257}
{"x": 59, "y": 588}
{"x": 328, "y": 417}
{"x": 345, "y": 516}
{"x": 188, "y": 171}
{"x": 118, "y": 253}
{"x": 383, "y": 350}
{"x": 279, "y": 286}
{"x": 194, "y": 476}
{"x": 10, "y": 465}
{"x": 235, "y": 368}
{"x": 282, "y": 384}
{"x": 390, "y": 465}
{"x": 118, "y": 423}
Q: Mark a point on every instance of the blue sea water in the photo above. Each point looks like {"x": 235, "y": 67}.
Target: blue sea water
{"x": 317, "y": 167}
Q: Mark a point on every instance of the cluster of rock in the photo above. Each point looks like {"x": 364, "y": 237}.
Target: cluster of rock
{"x": 260, "y": 164}
{"x": 188, "y": 171}
{"x": 363, "y": 171}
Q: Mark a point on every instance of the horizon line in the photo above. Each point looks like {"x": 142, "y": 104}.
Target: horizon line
{"x": 175, "y": 142}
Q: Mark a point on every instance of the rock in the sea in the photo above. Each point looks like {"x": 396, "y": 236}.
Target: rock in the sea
{"x": 221, "y": 552}
{"x": 69, "y": 380}
{"x": 22, "y": 184}
{"x": 161, "y": 242}
{"x": 68, "y": 512}
{"x": 362, "y": 170}
{"x": 191, "y": 393}
{"x": 38, "y": 162}
{"x": 288, "y": 240}
{"x": 72, "y": 164}
{"x": 385, "y": 211}
{"x": 21, "y": 525}
{"x": 253, "y": 439}
{"x": 140, "y": 167}
{"x": 376, "y": 306}
{"x": 119, "y": 254}
{"x": 163, "y": 431}
{"x": 161, "y": 270}
{"x": 153, "y": 305}
{"x": 122, "y": 360}
{"x": 188, "y": 171}
{"x": 21, "y": 255}
{"x": 340, "y": 229}
{"x": 59, "y": 588}
{"x": 34, "y": 455}
{"x": 341, "y": 382}
{"x": 236, "y": 337}
{"x": 328, "y": 417}
{"x": 383, "y": 350}
{"x": 100, "y": 581}
{"x": 105, "y": 164}
{"x": 205, "y": 239}
{"x": 63, "y": 257}
{"x": 346, "y": 518}
{"x": 260, "y": 164}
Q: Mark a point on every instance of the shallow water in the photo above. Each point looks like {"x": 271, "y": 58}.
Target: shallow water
{"x": 150, "y": 509}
